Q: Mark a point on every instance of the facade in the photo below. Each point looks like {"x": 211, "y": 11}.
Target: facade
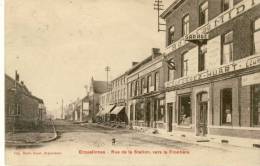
{"x": 215, "y": 87}
{"x": 113, "y": 102}
{"x": 23, "y": 111}
{"x": 145, "y": 89}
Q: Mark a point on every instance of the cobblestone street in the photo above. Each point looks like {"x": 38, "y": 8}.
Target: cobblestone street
{"x": 91, "y": 143}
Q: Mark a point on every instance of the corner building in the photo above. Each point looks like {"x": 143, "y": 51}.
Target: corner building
{"x": 145, "y": 89}
{"x": 215, "y": 87}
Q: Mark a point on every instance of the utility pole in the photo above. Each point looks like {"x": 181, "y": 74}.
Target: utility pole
{"x": 158, "y": 6}
{"x": 107, "y": 69}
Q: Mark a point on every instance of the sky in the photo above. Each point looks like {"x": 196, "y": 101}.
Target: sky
{"x": 58, "y": 45}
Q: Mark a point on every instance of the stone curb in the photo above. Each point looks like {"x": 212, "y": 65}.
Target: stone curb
{"x": 14, "y": 143}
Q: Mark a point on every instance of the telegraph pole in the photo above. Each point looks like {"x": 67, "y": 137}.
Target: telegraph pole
{"x": 158, "y": 6}
{"x": 107, "y": 69}
{"x": 61, "y": 108}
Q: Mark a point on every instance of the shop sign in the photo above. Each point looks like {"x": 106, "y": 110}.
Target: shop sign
{"x": 170, "y": 97}
{"x": 85, "y": 106}
{"x": 150, "y": 69}
{"x": 216, "y": 22}
{"x": 192, "y": 37}
{"x": 251, "y": 79}
{"x": 244, "y": 63}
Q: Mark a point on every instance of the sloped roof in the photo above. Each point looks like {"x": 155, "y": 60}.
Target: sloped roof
{"x": 100, "y": 86}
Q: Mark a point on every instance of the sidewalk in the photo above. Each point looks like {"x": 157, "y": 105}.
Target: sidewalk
{"x": 32, "y": 137}
{"x": 209, "y": 140}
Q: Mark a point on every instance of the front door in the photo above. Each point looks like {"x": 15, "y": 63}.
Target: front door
{"x": 203, "y": 114}
{"x": 148, "y": 114}
{"x": 169, "y": 105}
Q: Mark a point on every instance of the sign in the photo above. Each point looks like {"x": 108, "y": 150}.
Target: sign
{"x": 191, "y": 37}
{"x": 85, "y": 106}
{"x": 171, "y": 64}
{"x": 216, "y": 22}
{"x": 170, "y": 97}
{"x": 251, "y": 79}
{"x": 244, "y": 63}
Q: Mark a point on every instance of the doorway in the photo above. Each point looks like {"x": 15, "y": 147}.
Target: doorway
{"x": 170, "y": 109}
{"x": 203, "y": 114}
{"x": 148, "y": 112}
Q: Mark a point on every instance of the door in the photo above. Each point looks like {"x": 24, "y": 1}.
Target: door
{"x": 148, "y": 114}
{"x": 203, "y": 114}
{"x": 169, "y": 108}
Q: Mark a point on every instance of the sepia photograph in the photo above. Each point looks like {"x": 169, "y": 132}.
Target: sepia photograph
{"x": 131, "y": 82}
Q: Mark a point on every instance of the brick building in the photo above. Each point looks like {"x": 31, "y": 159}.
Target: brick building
{"x": 146, "y": 98}
{"x": 215, "y": 87}
{"x": 23, "y": 111}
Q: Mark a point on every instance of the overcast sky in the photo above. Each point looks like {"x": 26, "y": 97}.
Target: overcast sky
{"x": 57, "y": 45}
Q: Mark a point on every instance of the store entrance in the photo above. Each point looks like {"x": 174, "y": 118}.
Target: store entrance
{"x": 202, "y": 114}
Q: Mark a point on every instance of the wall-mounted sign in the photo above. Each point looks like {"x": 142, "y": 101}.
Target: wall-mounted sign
{"x": 216, "y": 22}
{"x": 191, "y": 37}
{"x": 251, "y": 79}
{"x": 171, "y": 64}
{"x": 244, "y": 63}
{"x": 85, "y": 106}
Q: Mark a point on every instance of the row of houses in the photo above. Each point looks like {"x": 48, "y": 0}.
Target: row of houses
{"x": 206, "y": 81}
{"x": 23, "y": 110}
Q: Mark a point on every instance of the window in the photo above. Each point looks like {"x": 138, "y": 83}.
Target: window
{"x": 142, "y": 86}
{"x": 14, "y": 109}
{"x": 227, "y": 48}
{"x": 256, "y": 104}
{"x": 139, "y": 111}
{"x": 184, "y": 65}
{"x": 256, "y": 37}
{"x": 203, "y": 13}
{"x": 131, "y": 89}
{"x": 161, "y": 111}
{"x": 170, "y": 74}
{"x": 202, "y": 55}
{"x": 136, "y": 87}
{"x": 227, "y": 4}
{"x": 185, "y": 25}
{"x": 226, "y": 106}
{"x": 149, "y": 83}
{"x": 156, "y": 81}
{"x": 184, "y": 110}
{"x": 171, "y": 35}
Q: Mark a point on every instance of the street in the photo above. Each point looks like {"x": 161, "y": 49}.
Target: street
{"x": 90, "y": 144}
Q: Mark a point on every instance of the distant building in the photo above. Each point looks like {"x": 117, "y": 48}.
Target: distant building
{"x": 23, "y": 111}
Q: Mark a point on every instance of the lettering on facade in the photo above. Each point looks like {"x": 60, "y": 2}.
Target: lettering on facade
{"x": 214, "y": 23}
{"x": 237, "y": 65}
{"x": 191, "y": 37}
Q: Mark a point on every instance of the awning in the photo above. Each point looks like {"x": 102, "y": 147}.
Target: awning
{"x": 117, "y": 110}
{"x": 107, "y": 110}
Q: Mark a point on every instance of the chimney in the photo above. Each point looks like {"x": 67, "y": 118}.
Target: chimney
{"x": 134, "y": 63}
{"x": 22, "y": 82}
{"x": 155, "y": 52}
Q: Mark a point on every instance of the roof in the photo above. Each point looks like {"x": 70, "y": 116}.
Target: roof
{"x": 169, "y": 10}
{"x": 100, "y": 86}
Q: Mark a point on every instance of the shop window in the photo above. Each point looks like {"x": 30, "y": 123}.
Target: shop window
{"x": 227, "y": 48}
{"x": 156, "y": 81}
{"x": 149, "y": 83}
{"x": 227, "y": 4}
{"x": 184, "y": 65}
{"x": 203, "y": 13}
{"x": 256, "y": 104}
{"x": 171, "y": 32}
{"x": 161, "y": 111}
{"x": 202, "y": 55}
{"x": 184, "y": 110}
{"x": 139, "y": 111}
{"x": 226, "y": 106}
{"x": 256, "y": 37}
{"x": 185, "y": 25}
